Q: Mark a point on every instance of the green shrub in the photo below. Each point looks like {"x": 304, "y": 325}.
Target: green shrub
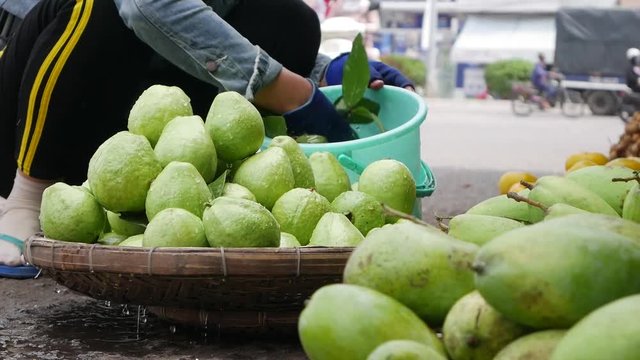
{"x": 500, "y": 74}
{"x": 412, "y": 68}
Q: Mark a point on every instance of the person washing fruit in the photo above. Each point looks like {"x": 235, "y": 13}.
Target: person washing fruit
{"x": 72, "y": 70}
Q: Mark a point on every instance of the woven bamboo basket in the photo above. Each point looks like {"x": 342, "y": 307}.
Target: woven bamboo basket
{"x": 250, "y": 288}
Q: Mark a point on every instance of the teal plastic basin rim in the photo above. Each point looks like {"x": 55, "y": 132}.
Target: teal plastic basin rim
{"x": 405, "y": 128}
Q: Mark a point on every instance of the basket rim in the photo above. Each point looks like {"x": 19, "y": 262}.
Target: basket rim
{"x": 56, "y": 255}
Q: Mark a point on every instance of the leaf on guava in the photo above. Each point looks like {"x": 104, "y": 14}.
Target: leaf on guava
{"x": 217, "y": 186}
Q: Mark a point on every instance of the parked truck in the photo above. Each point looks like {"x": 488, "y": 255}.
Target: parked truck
{"x": 590, "y": 52}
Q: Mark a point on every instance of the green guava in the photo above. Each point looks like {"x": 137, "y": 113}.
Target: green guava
{"x": 362, "y": 209}
{"x": 298, "y": 212}
{"x": 126, "y": 225}
{"x": 235, "y": 125}
{"x": 135, "y": 241}
{"x": 154, "y": 108}
{"x": 330, "y": 177}
{"x": 235, "y": 222}
{"x": 185, "y": 139}
{"x": 110, "y": 238}
{"x": 237, "y": 191}
{"x": 179, "y": 185}
{"x": 391, "y": 183}
{"x": 70, "y": 213}
{"x": 302, "y": 172}
{"x": 335, "y": 229}
{"x": 175, "y": 227}
{"x": 267, "y": 175}
{"x": 288, "y": 240}
{"x": 121, "y": 171}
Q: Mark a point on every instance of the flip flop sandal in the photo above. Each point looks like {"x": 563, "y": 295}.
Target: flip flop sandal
{"x": 17, "y": 272}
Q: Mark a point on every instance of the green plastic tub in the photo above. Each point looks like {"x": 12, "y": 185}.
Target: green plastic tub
{"x": 401, "y": 112}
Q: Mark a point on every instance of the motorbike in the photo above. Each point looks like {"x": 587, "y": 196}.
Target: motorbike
{"x": 629, "y": 104}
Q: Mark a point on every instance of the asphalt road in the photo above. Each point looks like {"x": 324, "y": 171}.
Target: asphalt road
{"x": 467, "y": 144}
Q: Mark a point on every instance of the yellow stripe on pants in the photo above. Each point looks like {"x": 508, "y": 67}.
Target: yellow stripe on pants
{"x": 72, "y": 33}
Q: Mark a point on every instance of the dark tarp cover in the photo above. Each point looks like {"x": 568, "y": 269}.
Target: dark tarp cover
{"x": 592, "y": 41}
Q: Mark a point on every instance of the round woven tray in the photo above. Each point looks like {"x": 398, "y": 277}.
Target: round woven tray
{"x": 257, "y": 287}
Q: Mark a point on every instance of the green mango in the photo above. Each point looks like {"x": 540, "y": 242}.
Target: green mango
{"x": 535, "y": 346}
{"x": 618, "y": 225}
{"x": 348, "y": 322}
{"x": 551, "y": 274}
{"x": 423, "y": 268}
{"x": 473, "y": 330}
{"x": 480, "y": 229}
{"x": 404, "y": 350}
{"x": 609, "y": 332}
{"x": 597, "y": 178}
{"x": 553, "y": 189}
{"x": 503, "y": 206}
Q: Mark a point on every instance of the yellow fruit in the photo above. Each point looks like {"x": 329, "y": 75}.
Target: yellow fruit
{"x": 581, "y": 164}
{"x": 596, "y": 157}
{"x": 516, "y": 187}
{"x": 513, "y": 177}
{"x": 629, "y": 162}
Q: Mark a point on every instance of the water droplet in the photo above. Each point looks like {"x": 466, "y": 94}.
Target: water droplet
{"x": 172, "y": 329}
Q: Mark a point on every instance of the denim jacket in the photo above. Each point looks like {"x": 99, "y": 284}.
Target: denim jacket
{"x": 193, "y": 36}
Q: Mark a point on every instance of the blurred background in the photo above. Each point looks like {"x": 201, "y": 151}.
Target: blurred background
{"x": 477, "y": 48}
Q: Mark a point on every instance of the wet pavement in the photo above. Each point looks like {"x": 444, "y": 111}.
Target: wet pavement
{"x": 40, "y": 319}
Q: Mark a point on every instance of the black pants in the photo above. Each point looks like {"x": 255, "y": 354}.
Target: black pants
{"x": 72, "y": 71}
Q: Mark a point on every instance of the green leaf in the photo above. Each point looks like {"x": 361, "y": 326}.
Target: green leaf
{"x": 217, "y": 185}
{"x": 360, "y": 115}
{"x": 370, "y": 105}
{"x": 356, "y": 74}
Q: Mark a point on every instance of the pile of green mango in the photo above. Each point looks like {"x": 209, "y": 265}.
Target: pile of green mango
{"x": 552, "y": 272}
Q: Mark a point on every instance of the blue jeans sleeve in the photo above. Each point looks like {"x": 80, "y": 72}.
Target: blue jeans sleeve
{"x": 192, "y": 36}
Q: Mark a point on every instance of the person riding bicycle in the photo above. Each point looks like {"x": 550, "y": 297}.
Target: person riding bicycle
{"x": 541, "y": 80}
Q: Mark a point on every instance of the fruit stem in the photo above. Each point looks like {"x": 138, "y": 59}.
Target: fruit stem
{"x": 517, "y": 197}
{"x": 636, "y": 177}
{"x": 440, "y": 219}
{"x": 478, "y": 268}
{"x": 444, "y": 227}
{"x": 393, "y": 212}
{"x": 526, "y": 184}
